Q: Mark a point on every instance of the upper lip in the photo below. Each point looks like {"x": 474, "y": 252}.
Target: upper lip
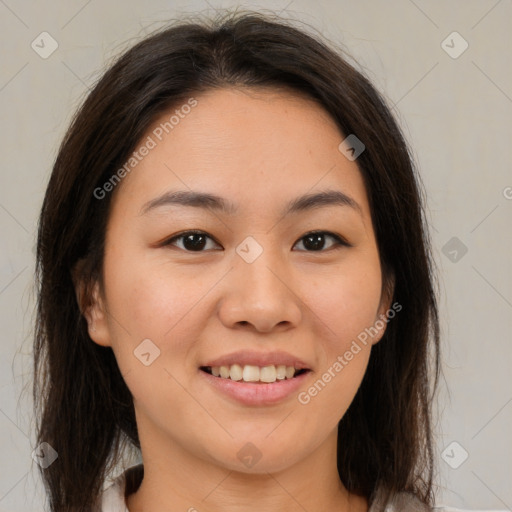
{"x": 250, "y": 357}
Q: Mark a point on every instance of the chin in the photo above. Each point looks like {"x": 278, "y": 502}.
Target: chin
{"x": 258, "y": 456}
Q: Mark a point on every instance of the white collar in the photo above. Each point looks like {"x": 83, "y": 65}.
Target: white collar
{"x": 112, "y": 497}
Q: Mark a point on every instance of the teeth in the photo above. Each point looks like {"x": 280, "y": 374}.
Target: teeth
{"x": 269, "y": 374}
{"x": 235, "y": 372}
{"x": 281, "y": 372}
{"x": 250, "y": 373}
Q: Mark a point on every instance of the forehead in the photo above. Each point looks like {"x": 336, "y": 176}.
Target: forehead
{"x": 255, "y": 146}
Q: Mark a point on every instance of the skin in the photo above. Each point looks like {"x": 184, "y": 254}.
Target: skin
{"x": 259, "y": 148}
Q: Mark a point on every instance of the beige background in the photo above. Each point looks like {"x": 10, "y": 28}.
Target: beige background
{"x": 456, "y": 113}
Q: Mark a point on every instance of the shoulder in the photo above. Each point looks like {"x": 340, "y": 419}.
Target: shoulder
{"x": 112, "y": 498}
{"x": 398, "y": 502}
{"x": 403, "y": 502}
{"x": 383, "y": 501}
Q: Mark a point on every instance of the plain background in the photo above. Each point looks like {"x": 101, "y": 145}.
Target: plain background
{"x": 455, "y": 112}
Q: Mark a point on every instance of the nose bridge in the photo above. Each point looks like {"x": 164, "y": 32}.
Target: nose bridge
{"x": 257, "y": 265}
{"x": 260, "y": 291}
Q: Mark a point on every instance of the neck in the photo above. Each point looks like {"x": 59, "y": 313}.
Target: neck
{"x": 177, "y": 480}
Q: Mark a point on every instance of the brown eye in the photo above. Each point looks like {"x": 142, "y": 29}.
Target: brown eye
{"x": 197, "y": 241}
{"x": 315, "y": 241}
{"x": 191, "y": 241}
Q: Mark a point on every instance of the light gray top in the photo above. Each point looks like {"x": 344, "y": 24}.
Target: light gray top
{"x": 113, "y": 499}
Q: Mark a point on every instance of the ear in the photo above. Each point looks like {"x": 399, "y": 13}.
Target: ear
{"x": 92, "y": 306}
{"x": 381, "y": 319}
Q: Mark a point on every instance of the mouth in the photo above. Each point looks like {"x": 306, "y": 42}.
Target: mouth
{"x": 255, "y": 386}
{"x": 254, "y": 374}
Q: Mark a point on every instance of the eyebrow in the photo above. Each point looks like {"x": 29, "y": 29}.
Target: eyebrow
{"x": 216, "y": 203}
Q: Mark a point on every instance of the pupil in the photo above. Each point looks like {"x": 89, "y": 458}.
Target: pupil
{"x": 194, "y": 245}
{"x": 316, "y": 239}
{"x": 196, "y": 241}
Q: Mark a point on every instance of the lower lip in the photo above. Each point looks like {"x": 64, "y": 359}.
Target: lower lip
{"x": 256, "y": 394}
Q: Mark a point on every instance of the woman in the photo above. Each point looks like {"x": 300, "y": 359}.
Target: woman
{"x": 235, "y": 279}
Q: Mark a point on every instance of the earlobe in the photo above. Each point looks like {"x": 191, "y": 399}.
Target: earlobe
{"x": 382, "y": 318}
{"x": 92, "y": 307}
{"x": 96, "y": 316}
{"x": 379, "y": 326}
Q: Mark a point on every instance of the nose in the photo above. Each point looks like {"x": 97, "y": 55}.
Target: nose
{"x": 260, "y": 295}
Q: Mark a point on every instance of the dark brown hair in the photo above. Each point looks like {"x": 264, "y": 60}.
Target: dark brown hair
{"x": 83, "y": 406}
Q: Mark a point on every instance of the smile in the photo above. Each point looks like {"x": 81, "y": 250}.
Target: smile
{"x": 257, "y": 374}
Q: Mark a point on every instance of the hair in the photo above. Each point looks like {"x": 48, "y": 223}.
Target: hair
{"x": 83, "y": 407}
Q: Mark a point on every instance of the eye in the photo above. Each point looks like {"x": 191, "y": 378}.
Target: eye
{"x": 193, "y": 241}
{"x": 315, "y": 241}
{"x": 196, "y": 241}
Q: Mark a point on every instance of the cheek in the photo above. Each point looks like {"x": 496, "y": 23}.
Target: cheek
{"x": 144, "y": 305}
{"x": 149, "y": 299}
{"x": 343, "y": 308}
{"x": 345, "y": 304}
{"x": 344, "y": 301}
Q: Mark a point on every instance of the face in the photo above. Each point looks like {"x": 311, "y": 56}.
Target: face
{"x": 255, "y": 282}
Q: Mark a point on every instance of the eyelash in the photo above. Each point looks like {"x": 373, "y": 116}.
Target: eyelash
{"x": 340, "y": 241}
